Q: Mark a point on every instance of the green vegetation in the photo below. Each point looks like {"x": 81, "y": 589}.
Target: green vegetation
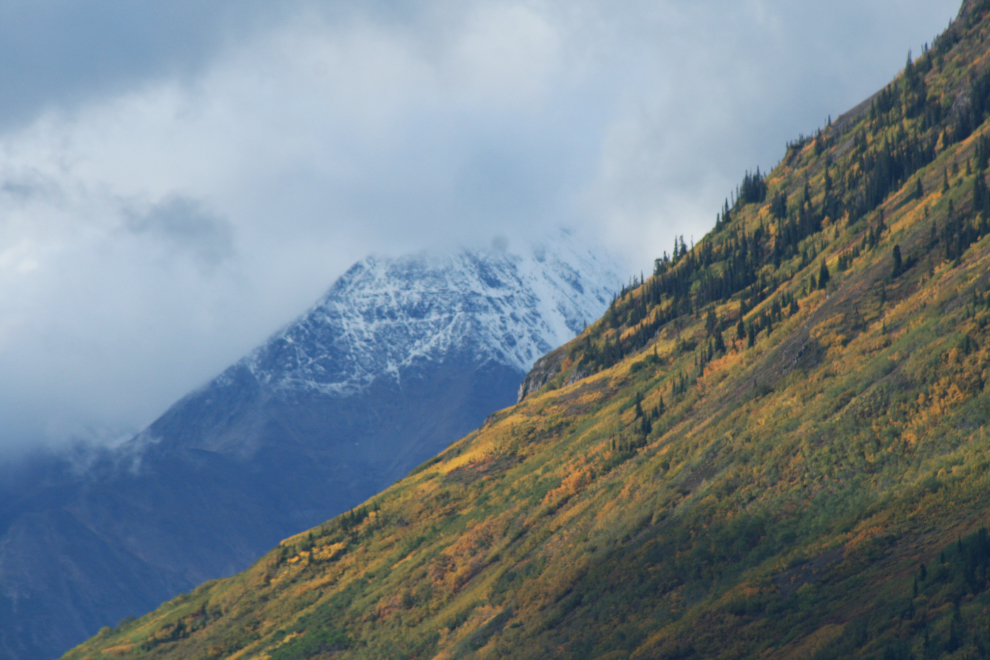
{"x": 775, "y": 446}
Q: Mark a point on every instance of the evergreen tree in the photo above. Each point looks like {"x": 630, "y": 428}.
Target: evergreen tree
{"x": 981, "y": 196}
{"x": 711, "y": 322}
{"x": 823, "y": 276}
{"x": 719, "y": 343}
{"x": 898, "y": 265}
{"x": 778, "y": 207}
{"x": 982, "y": 152}
{"x": 754, "y": 188}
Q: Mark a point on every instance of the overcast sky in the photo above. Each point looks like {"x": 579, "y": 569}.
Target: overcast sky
{"x": 179, "y": 178}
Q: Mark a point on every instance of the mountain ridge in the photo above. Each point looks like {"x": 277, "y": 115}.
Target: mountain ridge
{"x": 774, "y": 447}
{"x": 519, "y": 341}
{"x": 397, "y": 360}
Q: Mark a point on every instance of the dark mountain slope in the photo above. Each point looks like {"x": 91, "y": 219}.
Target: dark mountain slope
{"x": 400, "y": 358}
{"x": 775, "y": 447}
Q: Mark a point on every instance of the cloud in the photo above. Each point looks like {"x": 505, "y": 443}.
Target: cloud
{"x": 178, "y": 180}
{"x": 185, "y": 225}
{"x": 717, "y": 88}
{"x": 64, "y": 52}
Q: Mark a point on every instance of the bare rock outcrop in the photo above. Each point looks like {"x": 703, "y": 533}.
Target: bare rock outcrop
{"x": 543, "y": 372}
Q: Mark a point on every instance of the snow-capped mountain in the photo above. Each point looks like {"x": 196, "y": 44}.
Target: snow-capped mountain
{"x": 398, "y": 359}
{"x": 386, "y": 315}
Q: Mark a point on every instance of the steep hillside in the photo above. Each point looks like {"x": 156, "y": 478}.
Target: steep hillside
{"x": 400, "y": 358}
{"x": 774, "y": 447}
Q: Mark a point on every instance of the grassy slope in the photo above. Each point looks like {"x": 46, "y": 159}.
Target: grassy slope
{"x": 782, "y": 505}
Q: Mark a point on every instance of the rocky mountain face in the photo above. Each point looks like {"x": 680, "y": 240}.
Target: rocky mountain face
{"x": 776, "y": 446}
{"x": 398, "y": 359}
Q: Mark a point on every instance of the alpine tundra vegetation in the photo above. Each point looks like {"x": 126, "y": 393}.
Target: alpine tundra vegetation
{"x": 775, "y": 446}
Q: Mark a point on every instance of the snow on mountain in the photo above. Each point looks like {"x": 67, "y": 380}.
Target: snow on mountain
{"x": 387, "y": 314}
{"x": 401, "y": 357}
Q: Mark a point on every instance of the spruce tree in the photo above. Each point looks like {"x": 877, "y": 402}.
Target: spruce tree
{"x": 711, "y": 322}
{"x": 823, "y": 276}
{"x": 981, "y": 196}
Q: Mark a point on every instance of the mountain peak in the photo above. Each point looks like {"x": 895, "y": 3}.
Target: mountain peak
{"x": 400, "y": 357}
{"x": 774, "y": 447}
{"x": 386, "y": 314}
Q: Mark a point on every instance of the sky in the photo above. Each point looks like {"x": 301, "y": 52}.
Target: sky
{"x": 179, "y": 179}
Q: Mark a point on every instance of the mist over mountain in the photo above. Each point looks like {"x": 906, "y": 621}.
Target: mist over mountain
{"x": 179, "y": 178}
{"x": 399, "y": 358}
